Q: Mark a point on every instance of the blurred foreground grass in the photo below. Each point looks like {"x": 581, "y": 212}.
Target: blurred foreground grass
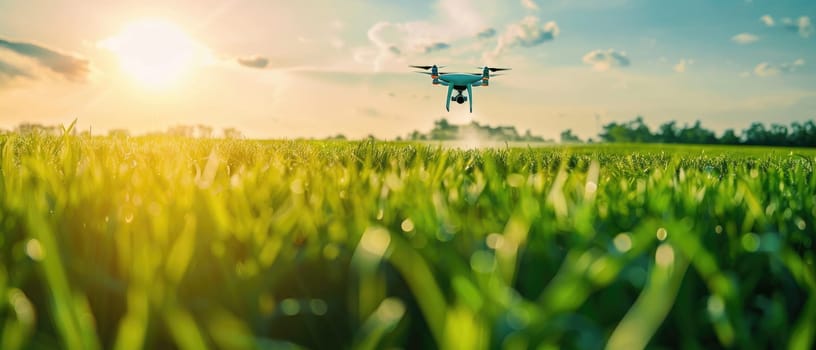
{"x": 178, "y": 243}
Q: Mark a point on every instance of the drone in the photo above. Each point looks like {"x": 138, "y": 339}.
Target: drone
{"x": 459, "y": 82}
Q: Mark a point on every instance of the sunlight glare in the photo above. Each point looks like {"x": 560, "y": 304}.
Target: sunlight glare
{"x": 154, "y": 52}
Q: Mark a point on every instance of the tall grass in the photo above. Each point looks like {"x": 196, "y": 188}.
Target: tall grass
{"x": 161, "y": 242}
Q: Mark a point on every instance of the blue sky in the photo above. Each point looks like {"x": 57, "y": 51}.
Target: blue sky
{"x": 315, "y": 68}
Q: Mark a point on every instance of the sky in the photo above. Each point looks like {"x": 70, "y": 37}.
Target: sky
{"x": 309, "y": 68}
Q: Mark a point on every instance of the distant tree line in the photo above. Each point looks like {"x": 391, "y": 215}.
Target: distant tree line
{"x": 199, "y": 131}
{"x": 795, "y": 135}
{"x": 633, "y": 131}
{"x": 445, "y": 131}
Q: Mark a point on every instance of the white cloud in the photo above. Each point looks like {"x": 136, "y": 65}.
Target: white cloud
{"x": 395, "y": 41}
{"x": 801, "y": 25}
{"x": 767, "y": 20}
{"x": 766, "y": 69}
{"x": 529, "y": 4}
{"x": 745, "y": 38}
{"x": 792, "y": 67}
{"x": 604, "y": 60}
{"x": 528, "y": 32}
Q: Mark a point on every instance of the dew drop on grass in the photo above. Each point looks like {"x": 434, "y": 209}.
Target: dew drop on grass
{"x": 591, "y": 187}
{"x": 495, "y": 241}
{"x": 318, "y": 307}
{"x": 22, "y": 306}
{"x": 129, "y": 217}
{"x": 750, "y": 242}
{"x": 801, "y": 224}
{"x": 375, "y": 240}
{"x": 623, "y": 242}
{"x": 662, "y": 234}
{"x": 390, "y": 309}
{"x": 482, "y": 261}
{"x": 34, "y": 250}
{"x": 715, "y": 306}
{"x": 290, "y": 307}
{"x": 718, "y": 229}
{"x": 407, "y": 225}
{"x": 664, "y": 257}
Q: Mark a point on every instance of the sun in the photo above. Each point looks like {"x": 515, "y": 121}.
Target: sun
{"x": 155, "y": 52}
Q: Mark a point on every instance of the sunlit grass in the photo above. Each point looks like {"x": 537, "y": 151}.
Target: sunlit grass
{"x": 158, "y": 242}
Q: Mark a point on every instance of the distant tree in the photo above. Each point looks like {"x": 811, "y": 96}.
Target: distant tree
{"x": 756, "y": 134}
{"x": 232, "y": 133}
{"x": 614, "y": 132}
{"x": 803, "y": 134}
{"x": 30, "y": 128}
{"x": 640, "y": 132}
{"x": 668, "y": 132}
{"x": 798, "y": 134}
{"x": 337, "y": 137}
{"x": 443, "y": 130}
{"x": 729, "y": 138}
{"x": 568, "y": 137}
{"x": 778, "y": 135}
{"x": 696, "y": 134}
{"x": 442, "y": 124}
{"x": 204, "y": 131}
{"x": 528, "y": 136}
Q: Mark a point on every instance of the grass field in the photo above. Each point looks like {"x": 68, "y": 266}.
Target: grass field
{"x": 157, "y": 243}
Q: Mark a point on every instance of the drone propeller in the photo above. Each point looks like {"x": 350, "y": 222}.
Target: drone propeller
{"x": 495, "y": 69}
{"x": 429, "y": 73}
{"x": 426, "y": 67}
